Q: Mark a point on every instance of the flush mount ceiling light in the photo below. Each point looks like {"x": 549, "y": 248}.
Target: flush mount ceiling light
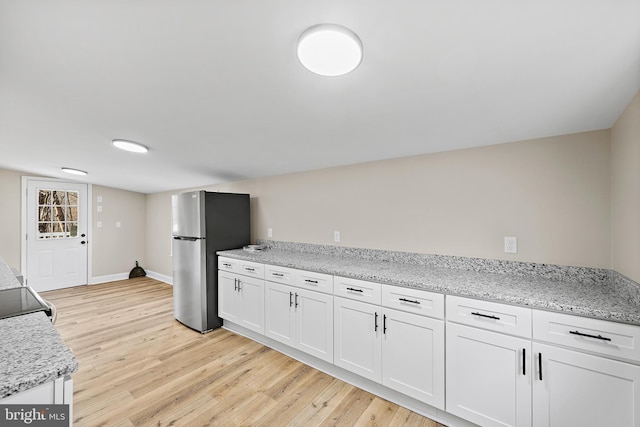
{"x": 329, "y": 50}
{"x": 74, "y": 171}
{"x": 134, "y": 147}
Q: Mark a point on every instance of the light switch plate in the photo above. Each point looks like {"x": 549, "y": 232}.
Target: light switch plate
{"x": 336, "y": 236}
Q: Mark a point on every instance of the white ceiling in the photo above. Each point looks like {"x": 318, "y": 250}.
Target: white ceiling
{"x": 214, "y": 88}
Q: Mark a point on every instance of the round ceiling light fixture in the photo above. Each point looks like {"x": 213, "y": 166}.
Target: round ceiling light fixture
{"x": 73, "y": 171}
{"x": 329, "y": 50}
{"x": 134, "y": 147}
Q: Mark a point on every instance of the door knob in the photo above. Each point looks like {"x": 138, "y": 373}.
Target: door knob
{"x": 83, "y": 242}
{"x": 82, "y": 235}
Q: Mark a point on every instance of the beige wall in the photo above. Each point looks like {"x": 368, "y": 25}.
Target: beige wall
{"x": 625, "y": 191}
{"x": 552, "y": 193}
{"x": 115, "y": 250}
{"x": 10, "y": 188}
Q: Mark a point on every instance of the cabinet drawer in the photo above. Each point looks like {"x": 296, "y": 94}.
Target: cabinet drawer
{"x": 238, "y": 266}
{"x": 358, "y": 290}
{"x": 506, "y": 319}
{"x": 228, "y": 264}
{"x": 413, "y": 301}
{"x": 613, "y": 339}
{"x": 317, "y": 281}
{"x": 284, "y": 275}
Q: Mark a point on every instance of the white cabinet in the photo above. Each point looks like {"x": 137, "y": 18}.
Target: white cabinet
{"x": 413, "y": 356}
{"x": 357, "y": 337}
{"x": 59, "y": 391}
{"x": 398, "y": 349}
{"x": 241, "y": 300}
{"x": 488, "y": 374}
{"x": 577, "y": 389}
{"x": 572, "y": 387}
{"x": 300, "y": 318}
{"x": 488, "y": 377}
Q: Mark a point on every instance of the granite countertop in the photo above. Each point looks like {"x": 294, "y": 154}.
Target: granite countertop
{"x": 588, "y": 299}
{"x": 31, "y": 350}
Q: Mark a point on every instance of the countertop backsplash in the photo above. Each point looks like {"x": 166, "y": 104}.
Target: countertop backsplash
{"x": 621, "y": 285}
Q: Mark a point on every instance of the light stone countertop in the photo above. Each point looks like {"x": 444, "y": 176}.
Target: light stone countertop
{"x": 31, "y": 350}
{"x": 588, "y": 299}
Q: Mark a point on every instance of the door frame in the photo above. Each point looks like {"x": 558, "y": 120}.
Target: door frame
{"x": 23, "y": 222}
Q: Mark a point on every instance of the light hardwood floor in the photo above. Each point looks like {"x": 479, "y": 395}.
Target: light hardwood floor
{"x": 140, "y": 367}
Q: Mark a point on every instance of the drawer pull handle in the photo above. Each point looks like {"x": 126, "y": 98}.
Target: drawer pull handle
{"x": 598, "y": 337}
{"x": 311, "y": 281}
{"x": 384, "y": 324}
{"x": 540, "y": 365}
{"x": 226, "y": 264}
{"x": 375, "y": 322}
{"x": 411, "y": 301}
{"x": 278, "y": 274}
{"x": 524, "y": 361}
{"x": 250, "y": 269}
{"x": 488, "y": 316}
{"x": 355, "y": 290}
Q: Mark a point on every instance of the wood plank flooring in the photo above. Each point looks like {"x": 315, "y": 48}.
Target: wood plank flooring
{"x": 140, "y": 367}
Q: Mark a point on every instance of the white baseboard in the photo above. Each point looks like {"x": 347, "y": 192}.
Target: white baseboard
{"x": 123, "y": 276}
{"x": 349, "y": 377}
{"x": 161, "y": 277}
{"x": 108, "y": 278}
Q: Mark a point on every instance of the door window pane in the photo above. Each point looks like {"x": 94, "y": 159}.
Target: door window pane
{"x": 57, "y": 214}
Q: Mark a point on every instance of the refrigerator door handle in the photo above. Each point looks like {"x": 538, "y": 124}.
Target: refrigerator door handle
{"x": 191, "y": 239}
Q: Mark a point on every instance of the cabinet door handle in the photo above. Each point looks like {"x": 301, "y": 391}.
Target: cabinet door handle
{"x": 355, "y": 290}
{"x": 524, "y": 361}
{"x": 239, "y": 287}
{"x": 598, "y": 337}
{"x": 311, "y": 281}
{"x": 488, "y": 316}
{"x": 384, "y": 324}
{"x": 290, "y": 299}
{"x": 411, "y": 301}
{"x": 235, "y": 284}
{"x": 375, "y": 322}
{"x": 540, "y": 366}
{"x": 296, "y": 300}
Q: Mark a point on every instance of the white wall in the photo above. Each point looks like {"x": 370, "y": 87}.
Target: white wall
{"x": 625, "y": 192}
{"x": 552, "y": 193}
{"x": 114, "y": 250}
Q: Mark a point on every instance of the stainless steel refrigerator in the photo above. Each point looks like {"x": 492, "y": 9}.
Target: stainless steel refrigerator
{"x": 204, "y": 222}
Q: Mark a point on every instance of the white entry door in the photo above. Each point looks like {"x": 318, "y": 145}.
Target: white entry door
{"x": 56, "y": 234}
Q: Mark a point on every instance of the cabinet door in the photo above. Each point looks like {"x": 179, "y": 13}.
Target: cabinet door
{"x": 357, "y": 337}
{"x": 413, "y": 356}
{"x": 578, "y": 389}
{"x": 279, "y": 313}
{"x": 314, "y": 323}
{"x": 228, "y": 297}
{"x": 488, "y": 377}
{"x": 252, "y": 300}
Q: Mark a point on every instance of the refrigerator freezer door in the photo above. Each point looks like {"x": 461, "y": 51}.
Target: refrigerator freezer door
{"x": 190, "y": 282}
{"x": 188, "y": 214}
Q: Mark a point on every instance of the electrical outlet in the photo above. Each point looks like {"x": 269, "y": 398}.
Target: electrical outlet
{"x": 336, "y": 236}
{"x": 269, "y": 232}
{"x": 511, "y": 245}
